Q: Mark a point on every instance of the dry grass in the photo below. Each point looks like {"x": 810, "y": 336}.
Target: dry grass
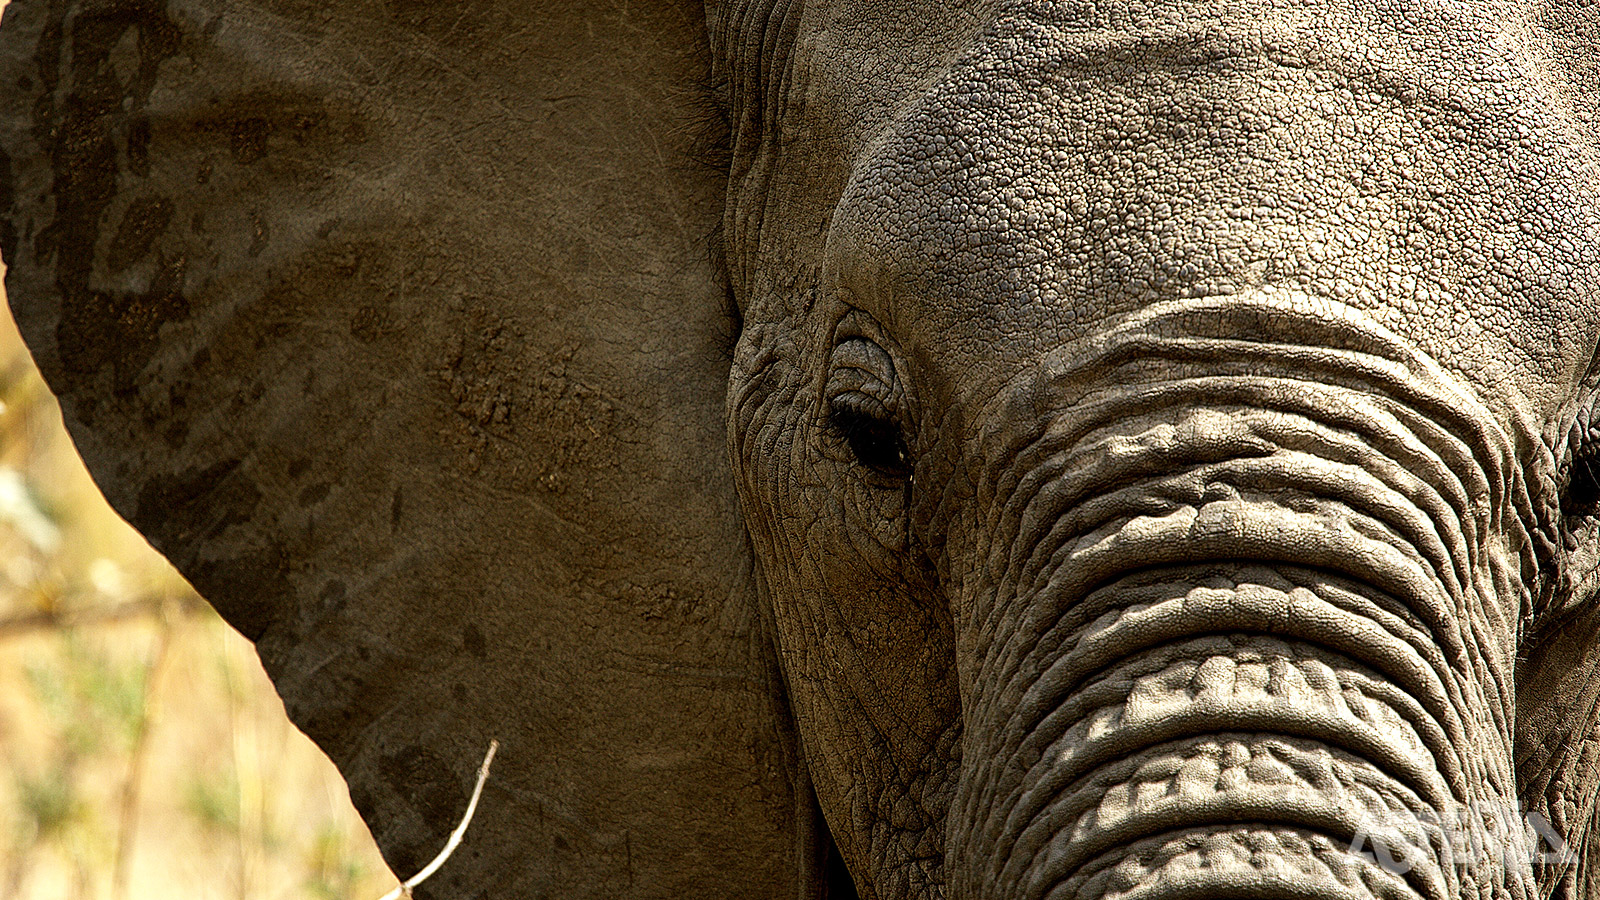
{"x": 142, "y": 751}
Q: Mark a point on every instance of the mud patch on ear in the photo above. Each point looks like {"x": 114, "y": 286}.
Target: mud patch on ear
{"x": 144, "y": 221}
{"x": 119, "y": 329}
{"x": 96, "y": 101}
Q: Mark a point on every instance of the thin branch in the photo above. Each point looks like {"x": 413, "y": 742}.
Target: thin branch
{"x": 233, "y": 690}
{"x": 98, "y": 614}
{"x": 403, "y": 892}
{"x": 126, "y": 832}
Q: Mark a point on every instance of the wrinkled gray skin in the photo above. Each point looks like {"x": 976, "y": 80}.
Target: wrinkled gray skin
{"x": 1157, "y": 434}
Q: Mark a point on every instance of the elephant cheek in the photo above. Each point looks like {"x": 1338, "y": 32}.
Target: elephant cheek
{"x": 1245, "y": 636}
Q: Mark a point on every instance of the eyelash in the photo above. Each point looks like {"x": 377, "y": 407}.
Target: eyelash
{"x": 873, "y": 437}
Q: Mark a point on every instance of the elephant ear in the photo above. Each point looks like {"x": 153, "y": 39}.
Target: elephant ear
{"x": 394, "y": 326}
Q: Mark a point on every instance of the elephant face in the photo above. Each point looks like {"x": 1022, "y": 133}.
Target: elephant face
{"x": 1175, "y": 430}
{"x": 1148, "y": 453}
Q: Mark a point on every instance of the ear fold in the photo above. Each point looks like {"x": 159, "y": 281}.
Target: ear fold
{"x": 394, "y": 326}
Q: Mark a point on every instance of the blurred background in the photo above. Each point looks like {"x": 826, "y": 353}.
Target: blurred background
{"x": 142, "y": 751}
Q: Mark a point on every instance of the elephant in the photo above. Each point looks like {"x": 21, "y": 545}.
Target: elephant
{"x": 1093, "y": 449}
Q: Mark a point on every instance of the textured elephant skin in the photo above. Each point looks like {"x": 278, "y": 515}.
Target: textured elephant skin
{"x": 997, "y": 450}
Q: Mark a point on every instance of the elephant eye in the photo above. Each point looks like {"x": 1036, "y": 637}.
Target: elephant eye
{"x": 872, "y": 435}
{"x": 1582, "y": 495}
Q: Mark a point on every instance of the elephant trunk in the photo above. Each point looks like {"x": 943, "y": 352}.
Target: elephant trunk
{"x": 1246, "y": 626}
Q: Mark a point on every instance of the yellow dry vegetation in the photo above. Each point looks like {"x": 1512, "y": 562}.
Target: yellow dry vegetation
{"x": 143, "y": 752}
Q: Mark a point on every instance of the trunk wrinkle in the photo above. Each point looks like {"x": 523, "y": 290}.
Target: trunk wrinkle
{"x": 1305, "y": 545}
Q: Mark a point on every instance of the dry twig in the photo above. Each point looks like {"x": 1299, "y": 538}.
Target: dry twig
{"x": 129, "y": 807}
{"x": 98, "y": 614}
{"x": 403, "y": 892}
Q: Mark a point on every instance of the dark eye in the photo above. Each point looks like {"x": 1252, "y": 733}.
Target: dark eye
{"x": 1582, "y": 496}
{"x": 1580, "y": 499}
{"x": 871, "y": 434}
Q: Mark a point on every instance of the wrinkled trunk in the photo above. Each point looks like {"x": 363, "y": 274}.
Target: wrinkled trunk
{"x": 1246, "y": 627}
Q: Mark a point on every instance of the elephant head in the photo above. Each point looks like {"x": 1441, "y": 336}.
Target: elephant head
{"x": 996, "y": 449}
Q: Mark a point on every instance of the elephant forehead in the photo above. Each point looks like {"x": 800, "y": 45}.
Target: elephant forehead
{"x": 1056, "y": 174}
{"x": 860, "y": 62}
